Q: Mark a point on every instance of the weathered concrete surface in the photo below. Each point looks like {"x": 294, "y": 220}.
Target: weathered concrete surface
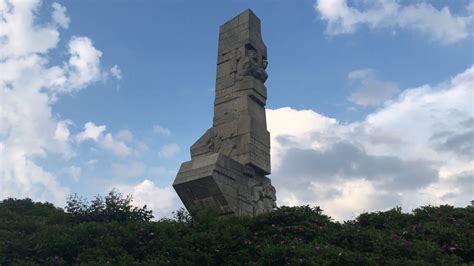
{"x": 229, "y": 163}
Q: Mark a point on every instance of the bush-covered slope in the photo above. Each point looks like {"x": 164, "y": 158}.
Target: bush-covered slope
{"x": 39, "y": 233}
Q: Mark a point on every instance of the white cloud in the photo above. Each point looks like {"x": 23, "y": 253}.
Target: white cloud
{"x": 345, "y": 200}
{"x": 162, "y": 200}
{"x": 413, "y": 151}
{"x": 440, "y": 24}
{"x": 83, "y": 63}
{"x": 133, "y": 169}
{"x": 116, "y": 72}
{"x": 169, "y": 150}
{"x": 91, "y": 131}
{"x": 59, "y": 15}
{"x": 74, "y": 172}
{"x": 20, "y": 177}
{"x": 29, "y": 86}
{"x": 62, "y": 131}
{"x": 370, "y": 91}
{"x": 420, "y": 113}
{"x": 115, "y": 146}
{"x": 297, "y": 127}
{"x": 125, "y": 135}
{"x": 105, "y": 141}
{"x": 20, "y": 37}
{"x": 161, "y": 130}
{"x": 361, "y": 74}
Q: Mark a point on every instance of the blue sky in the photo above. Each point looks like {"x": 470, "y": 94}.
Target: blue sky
{"x": 370, "y": 104}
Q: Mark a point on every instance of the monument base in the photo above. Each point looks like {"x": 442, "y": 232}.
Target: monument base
{"x": 222, "y": 183}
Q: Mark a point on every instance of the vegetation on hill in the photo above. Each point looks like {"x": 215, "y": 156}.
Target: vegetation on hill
{"x": 109, "y": 231}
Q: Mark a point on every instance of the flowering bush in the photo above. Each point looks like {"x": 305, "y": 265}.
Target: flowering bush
{"x": 39, "y": 233}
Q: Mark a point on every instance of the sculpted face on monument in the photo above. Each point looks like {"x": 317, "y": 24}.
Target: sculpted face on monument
{"x": 252, "y": 64}
{"x": 229, "y": 163}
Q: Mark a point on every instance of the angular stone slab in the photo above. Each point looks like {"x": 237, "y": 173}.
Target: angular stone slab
{"x": 217, "y": 181}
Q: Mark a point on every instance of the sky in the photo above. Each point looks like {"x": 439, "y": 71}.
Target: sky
{"x": 370, "y": 103}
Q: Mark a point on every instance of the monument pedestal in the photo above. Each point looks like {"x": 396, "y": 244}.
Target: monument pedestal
{"x": 219, "y": 182}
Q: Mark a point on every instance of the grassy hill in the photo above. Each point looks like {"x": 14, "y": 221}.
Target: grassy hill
{"x": 111, "y": 232}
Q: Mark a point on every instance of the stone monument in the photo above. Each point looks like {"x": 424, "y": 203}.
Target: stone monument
{"x": 229, "y": 163}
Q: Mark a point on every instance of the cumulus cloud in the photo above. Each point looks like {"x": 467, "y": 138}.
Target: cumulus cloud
{"x": 105, "y": 141}
{"x": 62, "y": 131}
{"x": 125, "y": 135}
{"x": 440, "y": 24}
{"x": 402, "y": 154}
{"x": 347, "y": 161}
{"x": 460, "y": 143}
{"x": 29, "y": 86}
{"x": 59, "y": 15}
{"x": 91, "y": 131}
{"x": 162, "y": 200}
{"x": 161, "y": 130}
{"x": 20, "y": 37}
{"x": 83, "y": 67}
{"x": 417, "y": 114}
{"x": 108, "y": 142}
{"x": 292, "y": 128}
{"x": 169, "y": 150}
{"x": 369, "y": 90}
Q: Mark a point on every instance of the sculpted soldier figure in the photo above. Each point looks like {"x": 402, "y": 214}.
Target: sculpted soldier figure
{"x": 229, "y": 163}
{"x": 252, "y": 64}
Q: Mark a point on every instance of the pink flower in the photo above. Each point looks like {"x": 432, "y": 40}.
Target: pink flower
{"x": 393, "y": 235}
{"x": 317, "y": 248}
{"x": 56, "y": 260}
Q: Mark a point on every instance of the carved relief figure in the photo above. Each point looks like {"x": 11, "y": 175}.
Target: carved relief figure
{"x": 264, "y": 197}
{"x": 252, "y": 64}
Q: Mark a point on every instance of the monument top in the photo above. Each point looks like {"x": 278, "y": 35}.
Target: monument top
{"x": 247, "y": 16}
{"x": 241, "y": 30}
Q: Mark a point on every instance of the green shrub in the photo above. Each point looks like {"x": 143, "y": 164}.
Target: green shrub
{"x": 113, "y": 207}
{"x": 110, "y": 231}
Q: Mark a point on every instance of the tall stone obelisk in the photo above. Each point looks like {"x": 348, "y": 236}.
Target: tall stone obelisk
{"x": 229, "y": 163}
